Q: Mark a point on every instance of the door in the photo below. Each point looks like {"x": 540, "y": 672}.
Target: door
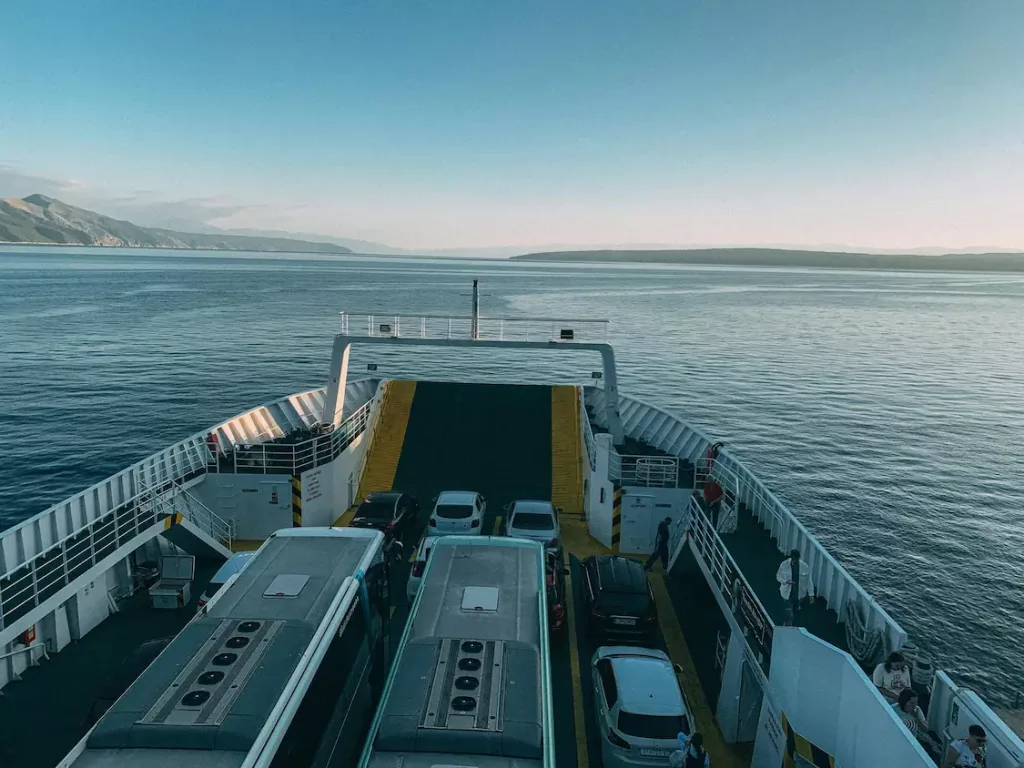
{"x": 637, "y": 521}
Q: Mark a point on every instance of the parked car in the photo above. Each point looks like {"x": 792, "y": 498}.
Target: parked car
{"x": 618, "y": 599}
{"x": 234, "y": 565}
{"x": 457, "y": 512}
{"x": 639, "y": 705}
{"x": 392, "y": 512}
{"x": 555, "y": 573}
{"x": 536, "y": 520}
{"x": 412, "y": 586}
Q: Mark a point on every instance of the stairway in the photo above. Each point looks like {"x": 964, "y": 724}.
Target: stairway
{"x": 388, "y": 438}
{"x": 566, "y": 450}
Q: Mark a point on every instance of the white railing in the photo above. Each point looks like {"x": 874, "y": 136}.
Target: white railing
{"x": 375, "y": 324}
{"x": 290, "y": 458}
{"x": 729, "y": 581}
{"x": 202, "y": 517}
{"x": 662, "y": 430}
{"x": 32, "y": 658}
{"x": 376, "y": 405}
{"x": 589, "y": 444}
{"x": 644, "y": 471}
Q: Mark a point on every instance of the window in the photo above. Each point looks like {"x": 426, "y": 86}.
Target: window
{"x": 377, "y": 510}
{"x": 611, "y": 691}
{"x": 533, "y": 521}
{"x": 454, "y": 511}
{"x": 325, "y": 706}
{"x": 653, "y": 726}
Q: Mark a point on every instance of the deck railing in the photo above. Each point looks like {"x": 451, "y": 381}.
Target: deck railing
{"x": 374, "y": 324}
{"x": 589, "y": 444}
{"x": 644, "y": 471}
{"x": 290, "y": 458}
{"x": 41, "y": 577}
{"x": 376, "y": 405}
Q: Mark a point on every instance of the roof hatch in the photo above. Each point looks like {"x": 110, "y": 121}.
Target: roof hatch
{"x": 480, "y": 599}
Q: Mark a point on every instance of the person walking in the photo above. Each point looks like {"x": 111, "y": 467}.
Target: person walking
{"x": 660, "y": 546}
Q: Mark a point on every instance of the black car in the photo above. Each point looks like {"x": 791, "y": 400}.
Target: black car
{"x": 619, "y": 601}
{"x": 392, "y": 512}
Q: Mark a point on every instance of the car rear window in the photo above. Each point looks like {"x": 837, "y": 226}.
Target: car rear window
{"x": 653, "y": 726}
{"x": 454, "y": 511}
{"x": 624, "y": 602}
{"x": 533, "y": 521}
{"x": 377, "y": 510}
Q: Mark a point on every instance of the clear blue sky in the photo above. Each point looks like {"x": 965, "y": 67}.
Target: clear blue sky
{"x": 430, "y": 123}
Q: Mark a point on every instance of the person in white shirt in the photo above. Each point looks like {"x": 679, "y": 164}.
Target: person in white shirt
{"x": 969, "y": 752}
{"x": 793, "y": 571}
{"x": 892, "y": 676}
{"x": 691, "y": 753}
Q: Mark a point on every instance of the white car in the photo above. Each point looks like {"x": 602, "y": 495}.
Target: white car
{"x": 536, "y": 520}
{"x": 412, "y": 586}
{"x": 457, "y": 512}
{"x": 640, "y": 706}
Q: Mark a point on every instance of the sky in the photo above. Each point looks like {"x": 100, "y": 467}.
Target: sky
{"x": 432, "y": 124}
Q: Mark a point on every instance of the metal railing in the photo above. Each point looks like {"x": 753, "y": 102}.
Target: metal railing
{"x": 394, "y": 326}
{"x": 726, "y": 576}
{"x": 290, "y": 458}
{"x": 645, "y": 471}
{"x": 589, "y": 444}
{"x": 32, "y": 658}
{"x": 57, "y": 567}
{"x": 376, "y": 405}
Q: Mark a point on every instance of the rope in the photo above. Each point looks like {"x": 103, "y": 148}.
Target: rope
{"x": 865, "y": 644}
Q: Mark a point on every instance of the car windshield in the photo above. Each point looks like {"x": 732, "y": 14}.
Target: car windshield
{"x": 533, "y": 521}
{"x": 653, "y": 726}
{"x": 377, "y": 510}
{"x": 454, "y": 511}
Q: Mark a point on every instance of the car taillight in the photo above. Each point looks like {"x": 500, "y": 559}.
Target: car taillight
{"x": 475, "y": 524}
{"x": 433, "y": 523}
{"x": 651, "y": 618}
{"x": 417, "y": 568}
{"x": 617, "y": 740}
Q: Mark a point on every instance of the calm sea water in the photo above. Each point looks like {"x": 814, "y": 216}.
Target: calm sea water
{"x": 886, "y": 409}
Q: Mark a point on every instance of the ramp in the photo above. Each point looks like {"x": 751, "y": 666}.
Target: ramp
{"x": 490, "y": 438}
{"x": 566, "y": 450}
{"x": 388, "y": 438}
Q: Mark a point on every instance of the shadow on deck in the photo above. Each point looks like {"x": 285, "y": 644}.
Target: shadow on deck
{"x": 44, "y": 714}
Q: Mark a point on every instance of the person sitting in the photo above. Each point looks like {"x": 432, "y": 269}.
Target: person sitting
{"x": 913, "y": 718}
{"x": 691, "y": 753}
{"x": 892, "y": 676}
{"x": 969, "y": 752}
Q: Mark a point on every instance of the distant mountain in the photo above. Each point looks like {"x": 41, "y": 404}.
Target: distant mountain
{"x": 41, "y": 219}
{"x": 778, "y": 257}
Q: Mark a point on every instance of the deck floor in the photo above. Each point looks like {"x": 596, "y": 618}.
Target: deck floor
{"x": 43, "y": 715}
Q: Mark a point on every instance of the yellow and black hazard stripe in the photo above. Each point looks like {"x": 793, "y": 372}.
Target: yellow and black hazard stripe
{"x": 797, "y": 745}
{"x": 616, "y": 519}
{"x": 170, "y": 520}
{"x": 296, "y": 501}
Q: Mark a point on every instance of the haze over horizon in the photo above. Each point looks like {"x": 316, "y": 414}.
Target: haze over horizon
{"x": 529, "y": 126}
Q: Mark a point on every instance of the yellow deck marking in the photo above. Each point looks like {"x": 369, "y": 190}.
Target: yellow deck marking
{"x": 582, "y": 756}
{"x": 246, "y": 545}
{"x": 496, "y": 528}
{"x": 566, "y": 450}
{"x": 722, "y": 755}
{"x": 346, "y": 518}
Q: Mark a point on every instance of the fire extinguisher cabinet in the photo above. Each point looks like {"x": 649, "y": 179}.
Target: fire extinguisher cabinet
{"x": 174, "y": 589}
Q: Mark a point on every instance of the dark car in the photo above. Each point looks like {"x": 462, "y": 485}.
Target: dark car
{"x": 555, "y": 576}
{"x": 619, "y": 601}
{"x": 392, "y": 512}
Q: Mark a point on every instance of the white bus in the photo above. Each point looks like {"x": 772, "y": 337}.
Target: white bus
{"x": 281, "y": 668}
{"x": 471, "y": 681}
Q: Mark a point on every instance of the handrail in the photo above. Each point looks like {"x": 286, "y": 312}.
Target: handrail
{"x": 377, "y": 404}
{"x": 425, "y": 326}
{"x": 26, "y": 649}
{"x": 643, "y": 470}
{"x": 589, "y": 444}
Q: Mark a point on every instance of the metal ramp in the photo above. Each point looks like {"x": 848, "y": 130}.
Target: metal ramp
{"x": 53, "y": 576}
{"x": 566, "y": 450}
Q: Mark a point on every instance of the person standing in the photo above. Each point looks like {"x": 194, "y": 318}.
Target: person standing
{"x": 691, "y": 753}
{"x": 660, "y": 546}
{"x": 794, "y": 572}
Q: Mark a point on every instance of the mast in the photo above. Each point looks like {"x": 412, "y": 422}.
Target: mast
{"x": 476, "y": 310}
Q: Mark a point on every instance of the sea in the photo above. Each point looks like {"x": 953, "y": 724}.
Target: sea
{"x": 885, "y": 408}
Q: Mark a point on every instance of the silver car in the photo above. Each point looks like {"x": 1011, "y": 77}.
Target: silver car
{"x": 640, "y": 706}
{"x": 536, "y": 520}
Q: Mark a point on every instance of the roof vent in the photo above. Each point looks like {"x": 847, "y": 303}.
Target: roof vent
{"x": 195, "y": 698}
{"x": 472, "y": 646}
{"x": 464, "y": 667}
{"x": 237, "y": 642}
{"x": 463, "y": 703}
{"x": 210, "y": 678}
{"x": 469, "y": 664}
{"x": 248, "y": 626}
{"x": 467, "y": 683}
{"x": 225, "y": 659}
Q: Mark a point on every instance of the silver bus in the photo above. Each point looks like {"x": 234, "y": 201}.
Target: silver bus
{"x": 471, "y": 681}
{"x": 281, "y": 668}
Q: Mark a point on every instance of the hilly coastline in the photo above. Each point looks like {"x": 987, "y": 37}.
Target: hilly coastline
{"x": 780, "y": 257}
{"x": 38, "y": 219}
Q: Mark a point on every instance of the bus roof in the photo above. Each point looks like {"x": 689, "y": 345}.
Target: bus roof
{"x": 214, "y": 687}
{"x": 467, "y": 679}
